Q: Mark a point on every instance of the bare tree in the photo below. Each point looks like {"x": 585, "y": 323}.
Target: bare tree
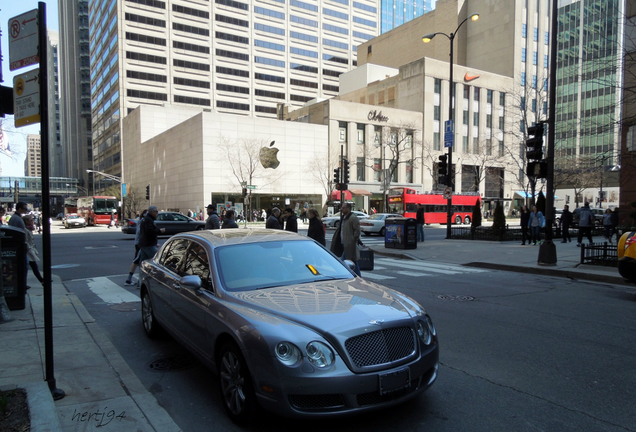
{"x": 320, "y": 171}
{"x": 134, "y": 202}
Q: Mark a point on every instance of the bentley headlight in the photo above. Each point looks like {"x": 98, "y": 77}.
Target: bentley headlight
{"x": 431, "y": 327}
{"x": 287, "y": 353}
{"x": 319, "y": 354}
{"x": 424, "y": 333}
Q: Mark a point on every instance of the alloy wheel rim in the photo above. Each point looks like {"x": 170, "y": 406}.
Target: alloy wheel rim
{"x": 232, "y": 382}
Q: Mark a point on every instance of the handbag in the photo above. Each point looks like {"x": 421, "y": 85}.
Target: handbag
{"x": 366, "y": 257}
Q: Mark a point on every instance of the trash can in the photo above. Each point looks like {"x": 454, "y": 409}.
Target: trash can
{"x": 14, "y": 266}
{"x": 400, "y": 233}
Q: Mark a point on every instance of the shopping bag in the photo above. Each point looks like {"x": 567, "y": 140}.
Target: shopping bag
{"x": 366, "y": 258}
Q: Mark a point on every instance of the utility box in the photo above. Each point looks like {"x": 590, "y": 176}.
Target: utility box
{"x": 14, "y": 266}
{"x": 400, "y": 233}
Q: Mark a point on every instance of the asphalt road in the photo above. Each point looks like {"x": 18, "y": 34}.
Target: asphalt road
{"x": 518, "y": 352}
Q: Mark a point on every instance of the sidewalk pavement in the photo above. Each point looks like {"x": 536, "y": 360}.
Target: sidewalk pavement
{"x": 100, "y": 387}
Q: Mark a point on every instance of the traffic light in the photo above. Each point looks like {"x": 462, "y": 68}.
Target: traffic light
{"x": 534, "y": 143}
{"x": 538, "y": 169}
{"x": 442, "y": 169}
{"x": 244, "y": 193}
{"x": 148, "y": 192}
{"x": 345, "y": 176}
{"x": 336, "y": 175}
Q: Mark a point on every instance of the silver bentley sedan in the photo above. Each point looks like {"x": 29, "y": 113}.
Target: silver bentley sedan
{"x": 286, "y": 324}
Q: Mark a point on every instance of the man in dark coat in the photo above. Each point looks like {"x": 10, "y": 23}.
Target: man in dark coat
{"x": 525, "y": 218}
{"x": 212, "y": 221}
{"x": 272, "y": 220}
{"x": 229, "y": 222}
{"x": 291, "y": 222}
{"x": 566, "y": 221}
{"x": 148, "y": 232}
{"x": 419, "y": 219}
{"x": 346, "y": 238}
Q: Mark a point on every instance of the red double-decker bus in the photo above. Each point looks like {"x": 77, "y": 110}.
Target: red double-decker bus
{"x": 96, "y": 210}
{"x": 404, "y": 201}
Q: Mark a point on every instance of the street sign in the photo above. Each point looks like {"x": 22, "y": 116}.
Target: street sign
{"x": 23, "y": 40}
{"x": 243, "y": 183}
{"x": 449, "y": 135}
{"x": 251, "y": 186}
{"x": 26, "y": 98}
{"x": 448, "y": 193}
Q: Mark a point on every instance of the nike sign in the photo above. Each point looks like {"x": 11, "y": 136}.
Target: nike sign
{"x": 469, "y": 78}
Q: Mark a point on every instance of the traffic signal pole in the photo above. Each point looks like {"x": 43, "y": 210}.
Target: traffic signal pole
{"x": 547, "y": 250}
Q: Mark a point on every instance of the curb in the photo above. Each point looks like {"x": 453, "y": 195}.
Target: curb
{"x": 42, "y": 411}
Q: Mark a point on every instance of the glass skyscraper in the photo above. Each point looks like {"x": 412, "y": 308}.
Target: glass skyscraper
{"x": 589, "y": 83}
{"x": 397, "y": 12}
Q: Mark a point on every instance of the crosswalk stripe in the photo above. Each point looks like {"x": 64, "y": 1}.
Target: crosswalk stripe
{"x": 367, "y": 275}
{"x": 428, "y": 266}
{"x": 414, "y": 274}
{"x": 110, "y": 292}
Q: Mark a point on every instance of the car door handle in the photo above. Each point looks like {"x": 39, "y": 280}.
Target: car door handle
{"x": 176, "y": 286}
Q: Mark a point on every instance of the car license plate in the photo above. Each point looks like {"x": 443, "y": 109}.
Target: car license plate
{"x": 394, "y": 381}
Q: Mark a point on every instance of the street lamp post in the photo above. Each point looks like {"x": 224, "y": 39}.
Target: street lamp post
{"x": 450, "y": 179}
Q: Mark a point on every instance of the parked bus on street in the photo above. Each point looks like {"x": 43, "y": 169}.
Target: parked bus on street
{"x": 404, "y": 201}
{"x": 96, "y": 210}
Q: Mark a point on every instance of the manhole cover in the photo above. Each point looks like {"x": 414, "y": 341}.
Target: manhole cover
{"x": 173, "y": 363}
{"x": 126, "y": 306}
{"x": 455, "y": 298}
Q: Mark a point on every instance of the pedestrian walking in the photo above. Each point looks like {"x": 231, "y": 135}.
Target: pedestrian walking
{"x": 32, "y": 252}
{"x": 229, "y": 221}
{"x": 135, "y": 263}
{"x": 263, "y": 215}
{"x": 346, "y": 238}
{"x": 420, "y": 220}
{"x": 148, "y": 241}
{"x": 316, "y": 229}
{"x": 21, "y": 209}
{"x": 535, "y": 223}
{"x": 565, "y": 222}
{"x": 112, "y": 219}
{"x": 525, "y": 218}
{"x": 608, "y": 225}
{"x": 291, "y": 222}
{"x": 190, "y": 213}
{"x": 273, "y": 221}
{"x": 586, "y": 222}
{"x": 615, "y": 223}
{"x": 212, "y": 222}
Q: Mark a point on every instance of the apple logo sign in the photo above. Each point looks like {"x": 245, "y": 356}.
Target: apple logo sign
{"x": 268, "y": 156}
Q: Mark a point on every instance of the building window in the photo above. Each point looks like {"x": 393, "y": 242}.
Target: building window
{"x": 489, "y": 96}
{"x": 534, "y": 58}
{"x": 394, "y": 171}
{"x": 524, "y": 30}
{"x": 489, "y": 120}
{"x": 360, "y": 133}
{"x": 465, "y": 117}
{"x": 535, "y": 35}
{"x": 409, "y": 171}
{"x": 436, "y": 141}
{"x": 377, "y": 169}
{"x": 523, "y": 102}
{"x": 342, "y": 131}
{"x": 438, "y": 86}
{"x": 502, "y": 99}
{"x": 523, "y": 55}
{"x": 476, "y": 94}
{"x": 534, "y": 105}
{"x": 523, "y": 78}
{"x": 475, "y": 145}
{"x": 501, "y": 148}
{"x": 488, "y": 147}
{"x": 547, "y": 37}
{"x": 436, "y": 112}
{"x": 534, "y": 81}
{"x": 360, "y": 169}
{"x": 465, "y": 148}
{"x": 476, "y": 118}
{"x": 377, "y": 136}
{"x": 466, "y": 92}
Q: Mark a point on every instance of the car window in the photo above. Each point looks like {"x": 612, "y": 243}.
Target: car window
{"x": 173, "y": 253}
{"x": 180, "y": 218}
{"x": 196, "y": 263}
{"x": 165, "y": 217}
{"x": 276, "y": 264}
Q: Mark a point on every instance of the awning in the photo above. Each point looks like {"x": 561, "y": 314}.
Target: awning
{"x": 361, "y": 192}
{"x": 335, "y": 195}
{"x": 524, "y": 194}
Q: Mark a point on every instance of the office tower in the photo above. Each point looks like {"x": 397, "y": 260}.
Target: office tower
{"x": 397, "y": 12}
{"x": 57, "y": 164}
{"x": 32, "y": 163}
{"x": 241, "y": 57}
{"x": 75, "y": 95}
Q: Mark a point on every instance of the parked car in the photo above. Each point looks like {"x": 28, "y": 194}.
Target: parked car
{"x": 374, "y": 224}
{"x": 596, "y": 211}
{"x": 295, "y": 331}
{"x": 334, "y": 221}
{"x": 173, "y": 222}
{"x": 74, "y": 220}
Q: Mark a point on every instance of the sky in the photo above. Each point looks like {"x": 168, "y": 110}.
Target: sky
{"x": 14, "y": 166}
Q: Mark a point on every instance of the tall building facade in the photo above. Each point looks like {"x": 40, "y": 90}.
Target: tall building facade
{"x": 396, "y": 12}
{"x": 75, "y": 92}
{"x": 589, "y": 81}
{"x": 246, "y": 58}
{"x": 57, "y": 166}
{"x": 33, "y": 161}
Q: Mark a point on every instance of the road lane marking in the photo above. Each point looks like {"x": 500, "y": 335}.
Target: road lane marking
{"x": 374, "y": 276}
{"x": 110, "y": 292}
{"x": 428, "y": 266}
{"x": 414, "y": 274}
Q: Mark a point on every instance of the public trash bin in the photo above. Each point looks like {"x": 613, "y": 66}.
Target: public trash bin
{"x": 14, "y": 266}
{"x": 400, "y": 233}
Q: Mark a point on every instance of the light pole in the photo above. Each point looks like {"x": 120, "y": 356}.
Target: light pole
{"x": 450, "y": 179}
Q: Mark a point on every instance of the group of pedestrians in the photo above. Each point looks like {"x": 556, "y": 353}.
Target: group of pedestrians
{"x": 535, "y": 220}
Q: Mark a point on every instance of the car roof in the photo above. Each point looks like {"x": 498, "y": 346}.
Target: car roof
{"x": 223, "y": 237}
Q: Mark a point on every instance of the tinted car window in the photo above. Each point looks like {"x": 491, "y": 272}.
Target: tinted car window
{"x": 276, "y": 263}
{"x": 173, "y": 253}
{"x": 164, "y": 217}
{"x": 180, "y": 218}
{"x": 196, "y": 263}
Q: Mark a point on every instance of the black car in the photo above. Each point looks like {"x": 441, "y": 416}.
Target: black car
{"x": 173, "y": 222}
